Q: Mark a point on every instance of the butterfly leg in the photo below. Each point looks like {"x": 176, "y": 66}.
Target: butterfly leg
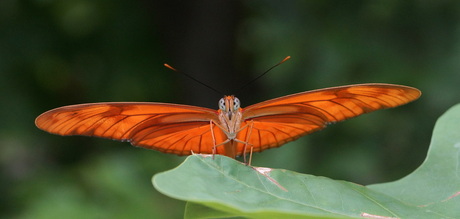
{"x": 245, "y": 142}
{"x": 231, "y": 137}
{"x": 215, "y": 145}
{"x": 213, "y": 139}
{"x": 248, "y": 135}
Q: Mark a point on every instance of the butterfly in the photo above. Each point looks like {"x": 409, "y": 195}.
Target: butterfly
{"x": 231, "y": 130}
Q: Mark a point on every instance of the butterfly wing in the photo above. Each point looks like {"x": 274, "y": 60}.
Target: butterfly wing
{"x": 169, "y": 128}
{"x": 284, "y": 119}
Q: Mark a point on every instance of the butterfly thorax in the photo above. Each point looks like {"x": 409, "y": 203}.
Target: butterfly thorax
{"x": 230, "y": 114}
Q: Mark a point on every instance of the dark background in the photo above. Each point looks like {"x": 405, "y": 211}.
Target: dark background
{"x": 61, "y": 52}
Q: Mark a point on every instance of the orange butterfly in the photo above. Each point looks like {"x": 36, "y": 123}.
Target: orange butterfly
{"x": 230, "y": 130}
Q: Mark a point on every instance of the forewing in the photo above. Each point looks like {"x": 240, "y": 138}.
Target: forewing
{"x": 170, "y": 128}
{"x": 284, "y": 119}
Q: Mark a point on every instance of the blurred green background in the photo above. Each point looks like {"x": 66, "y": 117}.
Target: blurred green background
{"x": 61, "y": 52}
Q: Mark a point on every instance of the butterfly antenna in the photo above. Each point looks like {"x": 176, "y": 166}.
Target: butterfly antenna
{"x": 255, "y": 79}
{"x": 189, "y": 76}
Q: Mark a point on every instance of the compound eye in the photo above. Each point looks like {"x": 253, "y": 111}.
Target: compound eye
{"x": 222, "y": 104}
{"x": 236, "y": 103}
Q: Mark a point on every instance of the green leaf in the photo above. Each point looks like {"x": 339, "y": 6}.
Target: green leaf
{"x": 223, "y": 187}
{"x": 435, "y": 185}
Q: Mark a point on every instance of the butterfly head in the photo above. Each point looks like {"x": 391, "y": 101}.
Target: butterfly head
{"x": 229, "y": 105}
